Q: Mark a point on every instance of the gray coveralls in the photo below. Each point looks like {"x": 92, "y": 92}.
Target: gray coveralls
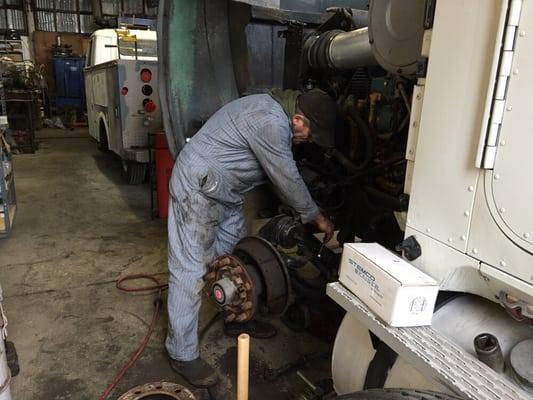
{"x": 240, "y": 146}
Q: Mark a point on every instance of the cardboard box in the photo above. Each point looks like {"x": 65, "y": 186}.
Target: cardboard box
{"x": 399, "y": 293}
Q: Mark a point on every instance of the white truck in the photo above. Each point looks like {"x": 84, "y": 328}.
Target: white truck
{"x": 122, "y": 95}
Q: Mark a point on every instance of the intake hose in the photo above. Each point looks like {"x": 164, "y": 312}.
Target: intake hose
{"x": 340, "y": 50}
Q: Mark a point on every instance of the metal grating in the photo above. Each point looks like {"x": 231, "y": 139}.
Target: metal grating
{"x": 433, "y": 354}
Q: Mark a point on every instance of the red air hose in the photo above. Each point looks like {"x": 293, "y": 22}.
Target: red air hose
{"x": 157, "y": 286}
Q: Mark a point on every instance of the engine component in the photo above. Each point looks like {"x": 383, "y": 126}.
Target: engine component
{"x": 393, "y": 40}
{"x": 516, "y": 308}
{"x": 340, "y": 50}
{"x": 283, "y": 230}
{"x": 158, "y": 390}
{"x": 488, "y": 351}
{"x": 522, "y": 364}
{"x": 396, "y": 30}
{"x": 252, "y": 278}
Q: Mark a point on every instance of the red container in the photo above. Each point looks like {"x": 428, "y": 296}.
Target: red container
{"x": 163, "y": 171}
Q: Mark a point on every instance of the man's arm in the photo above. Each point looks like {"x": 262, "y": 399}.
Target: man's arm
{"x": 272, "y": 147}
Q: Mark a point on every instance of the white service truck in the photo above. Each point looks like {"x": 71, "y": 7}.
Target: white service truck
{"x": 122, "y": 95}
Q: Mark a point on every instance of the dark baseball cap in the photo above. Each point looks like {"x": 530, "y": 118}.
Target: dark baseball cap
{"x": 321, "y": 111}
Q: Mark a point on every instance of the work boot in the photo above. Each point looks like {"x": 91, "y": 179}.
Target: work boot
{"x": 256, "y": 329}
{"x": 197, "y": 372}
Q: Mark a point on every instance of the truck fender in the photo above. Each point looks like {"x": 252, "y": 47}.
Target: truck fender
{"x": 101, "y": 118}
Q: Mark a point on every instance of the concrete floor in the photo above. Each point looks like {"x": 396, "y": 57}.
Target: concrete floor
{"x": 78, "y": 227}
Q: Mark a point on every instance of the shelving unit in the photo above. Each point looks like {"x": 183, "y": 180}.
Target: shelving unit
{"x": 8, "y": 197}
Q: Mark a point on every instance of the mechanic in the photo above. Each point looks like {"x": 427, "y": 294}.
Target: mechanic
{"x": 241, "y": 145}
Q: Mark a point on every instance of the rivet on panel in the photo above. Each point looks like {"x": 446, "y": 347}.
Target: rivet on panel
{"x": 463, "y": 238}
{"x": 509, "y": 108}
{"x": 475, "y": 251}
{"x": 503, "y": 263}
{"x": 515, "y": 71}
{"x": 496, "y": 176}
{"x": 415, "y": 124}
{"x": 470, "y": 188}
{"x": 527, "y": 235}
{"x": 450, "y": 240}
{"x": 466, "y": 214}
{"x": 502, "y": 210}
{"x": 522, "y": 33}
{"x": 428, "y": 230}
{"x": 418, "y": 97}
{"x": 503, "y": 143}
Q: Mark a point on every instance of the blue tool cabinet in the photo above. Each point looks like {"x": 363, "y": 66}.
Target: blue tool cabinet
{"x": 70, "y": 85}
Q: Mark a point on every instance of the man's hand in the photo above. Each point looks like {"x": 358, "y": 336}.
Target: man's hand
{"x": 324, "y": 224}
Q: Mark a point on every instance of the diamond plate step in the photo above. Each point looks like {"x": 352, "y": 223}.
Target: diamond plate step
{"x": 433, "y": 354}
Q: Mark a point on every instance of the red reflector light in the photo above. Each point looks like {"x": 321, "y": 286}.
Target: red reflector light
{"x": 146, "y": 75}
{"x": 149, "y": 107}
{"x": 124, "y": 91}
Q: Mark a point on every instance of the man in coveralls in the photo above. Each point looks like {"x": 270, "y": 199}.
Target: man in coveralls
{"x": 238, "y": 148}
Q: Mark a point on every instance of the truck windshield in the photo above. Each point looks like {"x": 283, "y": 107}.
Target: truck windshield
{"x": 145, "y": 48}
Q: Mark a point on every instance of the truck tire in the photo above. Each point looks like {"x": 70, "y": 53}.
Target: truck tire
{"x": 397, "y": 394}
{"x": 135, "y": 172}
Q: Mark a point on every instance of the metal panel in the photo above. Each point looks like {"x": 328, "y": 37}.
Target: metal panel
{"x": 458, "y": 85}
{"x": 512, "y": 183}
{"x": 490, "y": 244}
{"x": 133, "y": 132}
{"x": 98, "y": 86}
{"x": 265, "y": 56}
{"x": 196, "y": 71}
{"x": 500, "y": 281}
{"x": 453, "y": 269}
{"x": 414, "y": 122}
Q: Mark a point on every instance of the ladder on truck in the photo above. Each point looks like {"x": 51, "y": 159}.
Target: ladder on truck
{"x": 433, "y": 354}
